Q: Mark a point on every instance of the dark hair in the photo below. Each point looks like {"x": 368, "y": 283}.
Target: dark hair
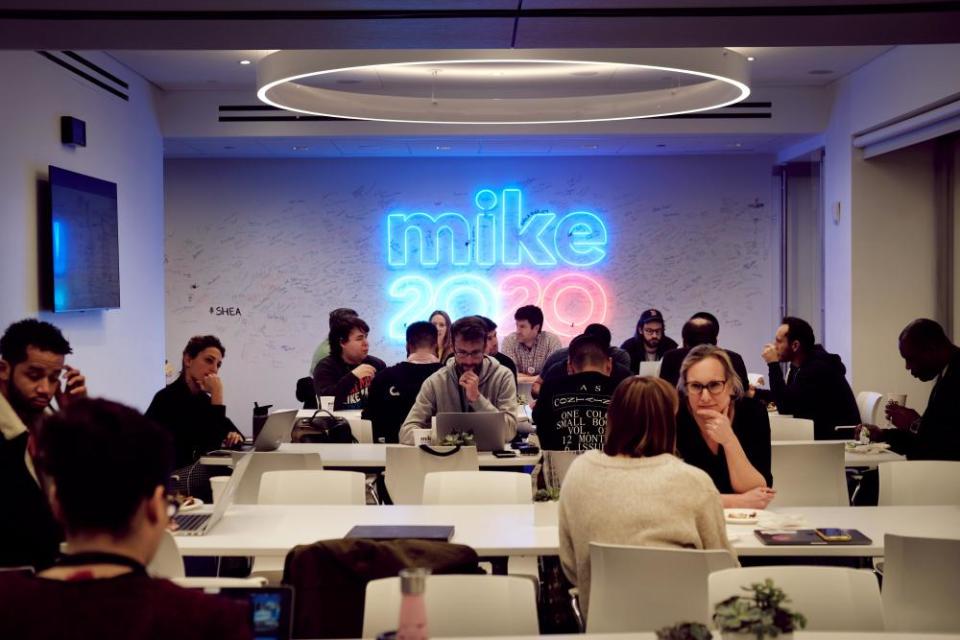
{"x": 339, "y": 314}
{"x": 197, "y": 344}
{"x": 470, "y": 328}
{"x": 801, "y": 331}
{"x": 447, "y": 346}
{"x": 706, "y": 315}
{"x": 642, "y": 418}
{"x": 488, "y": 323}
{"x": 531, "y": 313}
{"x": 588, "y": 350}
{"x": 421, "y": 334}
{"x": 925, "y": 334}
{"x": 599, "y": 331}
{"x": 31, "y": 333}
{"x": 650, "y": 315}
{"x": 340, "y": 332}
{"x": 88, "y": 438}
{"x": 697, "y": 331}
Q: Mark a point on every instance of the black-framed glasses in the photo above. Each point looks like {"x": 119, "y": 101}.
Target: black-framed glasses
{"x": 715, "y": 387}
{"x": 468, "y": 354}
{"x": 652, "y": 332}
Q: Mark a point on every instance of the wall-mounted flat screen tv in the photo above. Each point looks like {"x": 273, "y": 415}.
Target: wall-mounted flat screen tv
{"x": 82, "y": 243}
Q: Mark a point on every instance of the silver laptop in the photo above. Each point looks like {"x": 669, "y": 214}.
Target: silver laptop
{"x": 489, "y": 428}
{"x": 199, "y": 524}
{"x": 276, "y": 430}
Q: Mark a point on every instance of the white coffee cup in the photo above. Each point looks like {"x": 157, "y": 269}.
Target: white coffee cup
{"x": 217, "y": 485}
{"x": 421, "y": 436}
{"x": 326, "y": 402}
{"x": 894, "y": 398}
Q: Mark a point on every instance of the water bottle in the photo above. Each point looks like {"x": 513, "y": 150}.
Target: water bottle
{"x": 413, "y": 609}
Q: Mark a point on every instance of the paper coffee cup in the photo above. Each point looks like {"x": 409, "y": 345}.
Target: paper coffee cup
{"x": 421, "y": 436}
{"x": 893, "y": 398}
{"x": 217, "y": 485}
{"x": 326, "y": 402}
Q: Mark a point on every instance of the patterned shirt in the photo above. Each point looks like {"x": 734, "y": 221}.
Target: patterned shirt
{"x": 530, "y": 360}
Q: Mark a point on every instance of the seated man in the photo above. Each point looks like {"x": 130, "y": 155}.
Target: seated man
{"x": 493, "y": 346}
{"x": 32, "y": 355}
{"x": 816, "y": 387}
{"x": 701, "y": 328}
{"x": 556, "y": 365}
{"x": 192, "y": 407}
{"x": 348, "y": 371}
{"x": 104, "y": 467}
{"x": 571, "y": 412}
{"x": 935, "y": 435}
{"x": 323, "y": 349}
{"x": 395, "y": 388}
{"x": 649, "y": 343}
{"x": 529, "y": 346}
{"x": 472, "y": 381}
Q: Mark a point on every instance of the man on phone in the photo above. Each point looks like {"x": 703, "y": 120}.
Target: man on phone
{"x": 471, "y": 381}
{"x": 34, "y": 377}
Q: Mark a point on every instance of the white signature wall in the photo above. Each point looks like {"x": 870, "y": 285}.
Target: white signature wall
{"x": 259, "y": 251}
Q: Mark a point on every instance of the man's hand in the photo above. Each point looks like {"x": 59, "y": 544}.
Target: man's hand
{"x": 717, "y": 426}
{"x": 470, "y": 382}
{"x": 523, "y": 378}
{"x": 74, "y": 387}
{"x": 364, "y": 371}
{"x": 233, "y": 438}
{"x": 876, "y": 433}
{"x": 769, "y": 354}
{"x": 212, "y": 384}
{"x": 901, "y": 417}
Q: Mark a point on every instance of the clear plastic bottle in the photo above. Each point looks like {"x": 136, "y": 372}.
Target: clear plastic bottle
{"x": 413, "y": 609}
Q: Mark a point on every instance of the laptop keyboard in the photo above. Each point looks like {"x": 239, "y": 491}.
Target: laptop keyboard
{"x": 190, "y": 521}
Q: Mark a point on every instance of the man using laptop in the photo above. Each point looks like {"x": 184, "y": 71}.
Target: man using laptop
{"x": 100, "y": 588}
{"x": 33, "y": 374}
{"x": 472, "y": 381}
{"x": 395, "y": 388}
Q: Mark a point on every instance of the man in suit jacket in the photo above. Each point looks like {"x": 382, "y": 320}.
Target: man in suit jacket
{"x": 701, "y": 328}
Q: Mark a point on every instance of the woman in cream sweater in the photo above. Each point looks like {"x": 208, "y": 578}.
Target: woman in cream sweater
{"x": 637, "y": 491}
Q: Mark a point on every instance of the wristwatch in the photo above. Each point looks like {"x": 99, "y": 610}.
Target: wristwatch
{"x": 915, "y": 425}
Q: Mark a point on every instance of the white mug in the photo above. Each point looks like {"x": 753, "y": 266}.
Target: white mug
{"x": 326, "y": 402}
{"x": 421, "y": 436}
{"x": 217, "y": 485}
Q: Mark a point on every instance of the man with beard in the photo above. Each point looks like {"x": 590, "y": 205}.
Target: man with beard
{"x": 33, "y": 374}
{"x": 650, "y": 342}
{"x": 471, "y": 381}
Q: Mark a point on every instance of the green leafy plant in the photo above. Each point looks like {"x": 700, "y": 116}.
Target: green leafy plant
{"x": 465, "y": 439}
{"x": 685, "y": 631}
{"x": 546, "y": 495}
{"x": 759, "y": 614}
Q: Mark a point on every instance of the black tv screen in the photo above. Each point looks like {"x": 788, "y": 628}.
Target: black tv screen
{"x": 83, "y": 243}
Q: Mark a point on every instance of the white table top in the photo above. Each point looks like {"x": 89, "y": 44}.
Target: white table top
{"x": 513, "y": 530}
{"x": 851, "y": 458}
{"x": 797, "y": 635}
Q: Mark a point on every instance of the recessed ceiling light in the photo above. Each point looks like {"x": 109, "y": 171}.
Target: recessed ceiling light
{"x": 820, "y": 72}
{"x": 245, "y": 62}
{"x": 590, "y": 146}
{"x": 750, "y": 58}
{"x": 443, "y": 148}
{"x": 298, "y": 147}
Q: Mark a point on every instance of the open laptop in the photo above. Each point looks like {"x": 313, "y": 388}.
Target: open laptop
{"x": 199, "y": 524}
{"x": 276, "y": 430}
{"x": 488, "y": 427}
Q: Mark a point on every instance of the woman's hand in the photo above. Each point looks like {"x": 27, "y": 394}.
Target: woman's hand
{"x": 756, "y": 498}
{"x": 716, "y": 426}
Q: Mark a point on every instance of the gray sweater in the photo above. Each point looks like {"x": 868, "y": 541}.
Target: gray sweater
{"x": 441, "y": 393}
{"x": 649, "y": 502}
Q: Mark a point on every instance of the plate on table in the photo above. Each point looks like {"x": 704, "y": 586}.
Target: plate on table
{"x": 190, "y": 504}
{"x": 742, "y": 516}
{"x": 870, "y": 447}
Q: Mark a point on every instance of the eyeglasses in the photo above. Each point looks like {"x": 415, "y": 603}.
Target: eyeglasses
{"x": 652, "y": 332}
{"x": 715, "y": 387}
{"x": 468, "y": 354}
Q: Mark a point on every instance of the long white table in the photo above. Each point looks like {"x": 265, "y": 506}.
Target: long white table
{"x": 513, "y": 530}
{"x": 797, "y": 635}
{"x": 850, "y": 458}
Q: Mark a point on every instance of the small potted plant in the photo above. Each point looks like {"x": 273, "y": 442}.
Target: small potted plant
{"x": 759, "y": 615}
{"x": 685, "y": 631}
{"x": 462, "y": 438}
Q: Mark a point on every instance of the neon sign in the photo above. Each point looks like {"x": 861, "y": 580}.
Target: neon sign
{"x": 500, "y": 235}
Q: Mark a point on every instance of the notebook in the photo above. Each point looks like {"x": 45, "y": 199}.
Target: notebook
{"x": 397, "y": 532}
{"x": 198, "y": 524}
{"x": 807, "y": 537}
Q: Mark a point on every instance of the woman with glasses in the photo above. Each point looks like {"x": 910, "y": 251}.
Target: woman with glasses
{"x": 722, "y": 431}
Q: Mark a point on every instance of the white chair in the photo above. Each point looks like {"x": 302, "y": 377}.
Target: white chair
{"x": 458, "y": 605}
{"x": 167, "y": 561}
{"x": 312, "y": 487}
{"x": 406, "y": 466}
{"x": 646, "y": 588}
{"x": 477, "y": 487}
{"x": 203, "y": 582}
{"x": 248, "y": 492}
{"x": 362, "y": 429}
{"x": 921, "y": 584}
{"x": 831, "y": 598}
{"x": 868, "y": 403}
{"x": 554, "y": 466}
{"x": 809, "y": 474}
{"x": 787, "y": 428}
{"x": 919, "y": 482}
{"x": 758, "y": 380}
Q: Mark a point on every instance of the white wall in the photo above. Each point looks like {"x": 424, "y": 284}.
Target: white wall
{"x": 120, "y": 351}
{"x": 286, "y": 241}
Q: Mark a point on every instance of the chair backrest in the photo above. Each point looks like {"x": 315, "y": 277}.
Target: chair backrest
{"x": 554, "y": 466}
{"x": 312, "y": 487}
{"x": 248, "y": 492}
{"x": 362, "y": 429}
{"x": 167, "y": 561}
{"x": 831, "y": 598}
{"x": 477, "y": 487}
{"x": 787, "y": 428}
{"x": 205, "y": 582}
{"x": 458, "y": 605}
{"x": 919, "y": 482}
{"x": 809, "y": 474}
{"x": 868, "y": 402}
{"x": 406, "y": 466}
{"x": 646, "y": 588}
{"x": 921, "y": 584}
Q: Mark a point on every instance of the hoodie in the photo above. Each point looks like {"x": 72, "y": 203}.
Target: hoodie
{"x": 442, "y": 393}
{"x": 819, "y": 391}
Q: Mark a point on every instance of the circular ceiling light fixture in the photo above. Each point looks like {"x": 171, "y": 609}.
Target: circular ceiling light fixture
{"x": 503, "y": 86}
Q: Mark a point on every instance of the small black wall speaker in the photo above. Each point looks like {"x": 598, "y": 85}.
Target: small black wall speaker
{"x": 73, "y": 131}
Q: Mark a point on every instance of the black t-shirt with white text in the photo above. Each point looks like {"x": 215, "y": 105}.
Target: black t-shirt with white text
{"x": 571, "y": 411}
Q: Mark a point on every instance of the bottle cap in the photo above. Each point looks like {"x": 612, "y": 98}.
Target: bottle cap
{"x": 413, "y": 581}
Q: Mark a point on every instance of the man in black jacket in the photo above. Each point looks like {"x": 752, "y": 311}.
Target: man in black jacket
{"x": 650, "y": 341}
{"x": 929, "y": 355}
{"x": 701, "y": 328}
{"x": 816, "y": 387}
{"x": 348, "y": 371}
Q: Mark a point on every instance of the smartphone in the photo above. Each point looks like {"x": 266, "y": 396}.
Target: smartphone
{"x": 504, "y": 454}
{"x": 833, "y": 535}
